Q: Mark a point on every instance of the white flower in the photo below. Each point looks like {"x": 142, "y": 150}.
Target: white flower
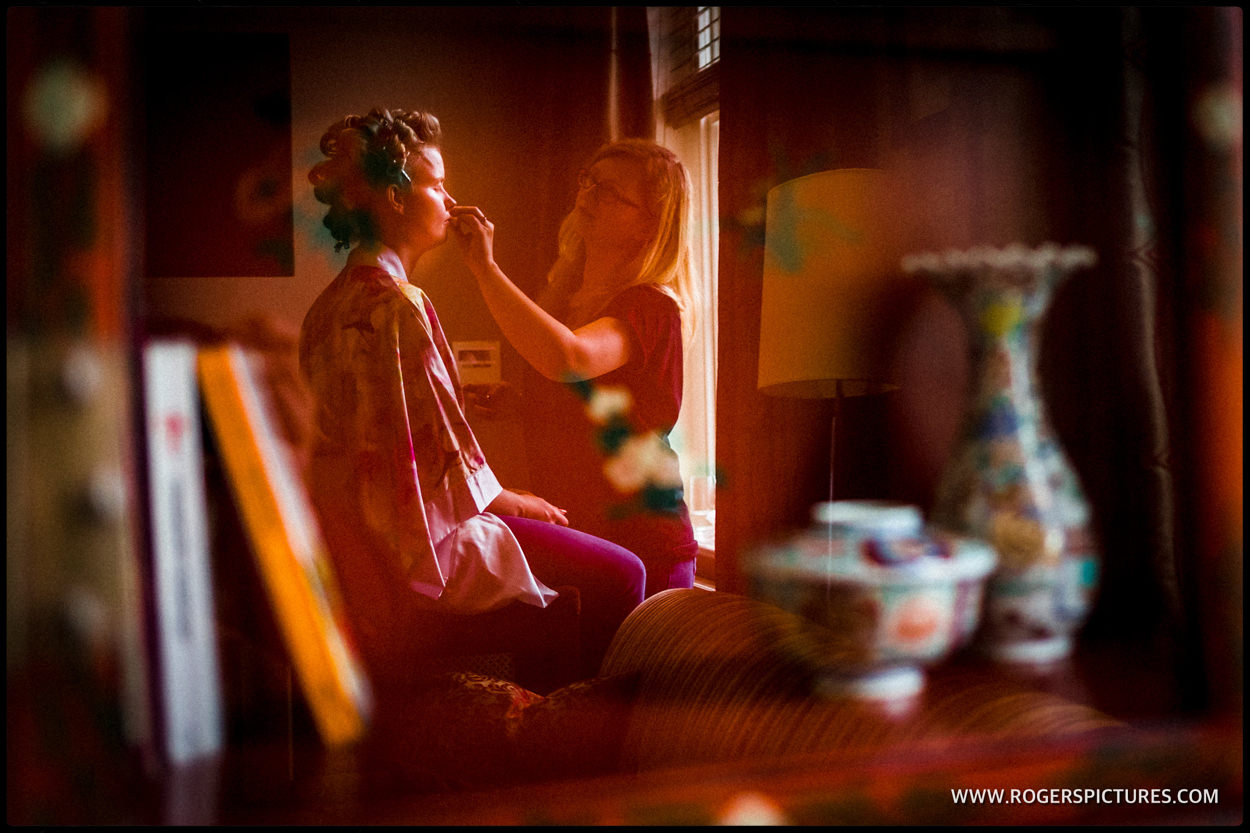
{"x": 642, "y": 459}
{"x": 627, "y": 469}
{"x": 608, "y": 402}
{"x": 667, "y": 474}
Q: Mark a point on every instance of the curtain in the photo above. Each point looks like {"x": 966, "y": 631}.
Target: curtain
{"x": 1052, "y": 124}
{"x": 614, "y": 79}
{"x": 630, "y": 105}
{"x": 1212, "y": 195}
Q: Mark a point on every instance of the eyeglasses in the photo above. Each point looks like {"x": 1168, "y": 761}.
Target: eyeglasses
{"x": 605, "y": 192}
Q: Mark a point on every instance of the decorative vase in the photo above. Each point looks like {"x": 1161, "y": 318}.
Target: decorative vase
{"x": 1009, "y": 481}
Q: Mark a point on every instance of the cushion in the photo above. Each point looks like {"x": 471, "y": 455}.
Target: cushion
{"x": 725, "y": 677}
{"x": 461, "y": 730}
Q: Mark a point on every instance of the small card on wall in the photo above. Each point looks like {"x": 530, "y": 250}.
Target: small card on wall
{"x": 478, "y": 362}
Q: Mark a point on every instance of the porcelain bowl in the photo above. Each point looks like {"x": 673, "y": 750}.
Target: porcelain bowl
{"x": 894, "y": 595}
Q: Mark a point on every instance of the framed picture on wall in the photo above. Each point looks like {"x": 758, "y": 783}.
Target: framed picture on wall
{"x": 217, "y": 173}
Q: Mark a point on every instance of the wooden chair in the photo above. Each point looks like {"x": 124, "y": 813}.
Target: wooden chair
{"x": 536, "y": 647}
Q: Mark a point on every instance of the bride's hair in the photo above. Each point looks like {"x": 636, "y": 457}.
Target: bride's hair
{"x": 367, "y": 154}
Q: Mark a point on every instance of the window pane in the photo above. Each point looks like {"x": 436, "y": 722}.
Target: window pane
{"x": 708, "y": 35}
{"x": 687, "y": 42}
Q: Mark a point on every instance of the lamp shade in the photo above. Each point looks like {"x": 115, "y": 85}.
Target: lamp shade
{"x": 830, "y": 261}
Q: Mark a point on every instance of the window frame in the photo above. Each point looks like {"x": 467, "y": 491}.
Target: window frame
{"x": 687, "y": 100}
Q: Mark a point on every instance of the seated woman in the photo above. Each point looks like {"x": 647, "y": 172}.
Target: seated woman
{"x": 612, "y": 319}
{"x": 413, "y": 515}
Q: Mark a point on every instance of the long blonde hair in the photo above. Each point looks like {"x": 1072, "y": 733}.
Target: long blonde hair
{"x": 668, "y": 259}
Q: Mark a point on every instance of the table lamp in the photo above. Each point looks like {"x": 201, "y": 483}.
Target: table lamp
{"x": 830, "y": 259}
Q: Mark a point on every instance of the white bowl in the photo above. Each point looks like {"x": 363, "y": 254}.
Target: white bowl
{"x": 894, "y": 595}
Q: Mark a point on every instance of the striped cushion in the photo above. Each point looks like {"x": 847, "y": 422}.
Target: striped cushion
{"x": 724, "y": 677}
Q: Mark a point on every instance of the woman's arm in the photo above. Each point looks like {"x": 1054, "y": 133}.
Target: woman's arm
{"x": 552, "y": 348}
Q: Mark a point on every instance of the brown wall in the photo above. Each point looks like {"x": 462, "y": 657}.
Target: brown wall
{"x": 1006, "y": 125}
{"x": 517, "y": 92}
{"x": 521, "y": 96}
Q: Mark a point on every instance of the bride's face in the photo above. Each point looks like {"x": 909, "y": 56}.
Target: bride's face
{"x": 427, "y": 206}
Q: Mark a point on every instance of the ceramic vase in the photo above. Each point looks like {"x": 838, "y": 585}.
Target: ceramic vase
{"x": 1008, "y": 480}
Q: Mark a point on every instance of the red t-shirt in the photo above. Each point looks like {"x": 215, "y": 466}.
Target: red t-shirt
{"x": 566, "y": 452}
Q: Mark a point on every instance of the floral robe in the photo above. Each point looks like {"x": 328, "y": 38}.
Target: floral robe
{"x": 397, "y": 472}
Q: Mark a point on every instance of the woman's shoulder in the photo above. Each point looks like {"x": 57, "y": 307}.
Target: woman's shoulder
{"x": 369, "y": 278}
{"x": 366, "y": 293}
{"x": 356, "y": 280}
{"x": 645, "y": 296}
{"x": 375, "y": 286}
{"x": 647, "y": 309}
{"x": 651, "y": 316}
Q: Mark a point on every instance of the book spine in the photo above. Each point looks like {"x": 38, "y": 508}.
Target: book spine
{"x": 188, "y": 678}
{"x": 286, "y": 542}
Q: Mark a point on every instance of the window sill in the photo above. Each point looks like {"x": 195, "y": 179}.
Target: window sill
{"x": 705, "y": 566}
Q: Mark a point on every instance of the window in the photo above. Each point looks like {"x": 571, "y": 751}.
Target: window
{"x": 685, "y": 49}
{"x": 707, "y": 25}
